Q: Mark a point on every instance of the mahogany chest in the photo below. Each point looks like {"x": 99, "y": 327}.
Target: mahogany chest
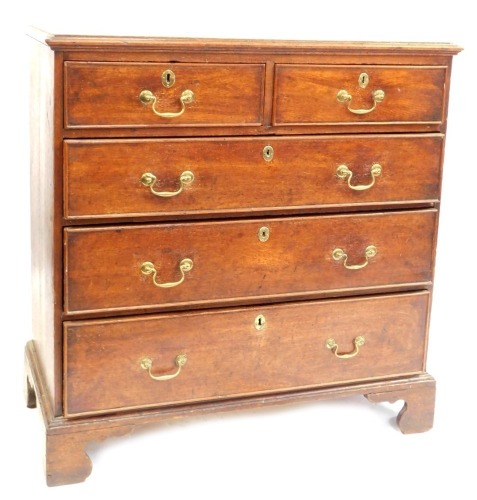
{"x": 223, "y": 224}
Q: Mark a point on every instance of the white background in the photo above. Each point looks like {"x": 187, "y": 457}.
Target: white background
{"x": 342, "y": 449}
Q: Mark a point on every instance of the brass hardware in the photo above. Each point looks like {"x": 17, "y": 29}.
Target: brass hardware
{"x": 369, "y": 253}
{"x": 343, "y": 171}
{"x": 333, "y": 346}
{"x": 181, "y": 360}
{"x": 363, "y": 80}
{"x": 149, "y": 180}
{"x": 260, "y": 322}
{"x": 168, "y": 78}
{"x": 147, "y": 97}
{"x": 148, "y": 268}
{"x": 268, "y": 153}
{"x": 263, "y": 234}
{"x": 377, "y": 95}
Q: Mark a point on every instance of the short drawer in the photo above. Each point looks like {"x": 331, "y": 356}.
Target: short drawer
{"x": 172, "y": 177}
{"x": 187, "y": 357}
{"x": 139, "y": 94}
{"x": 308, "y": 94}
{"x": 159, "y": 266}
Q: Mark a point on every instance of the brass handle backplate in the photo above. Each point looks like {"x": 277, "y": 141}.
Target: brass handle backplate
{"x": 148, "y": 179}
{"x": 148, "y": 268}
{"x": 333, "y": 346}
{"x": 343, "y": 171}
{"x": 369, "y": 252}
{"x": 344, "y": 96}
{"x": 181, "y": 360}
{"x": 147, "y": 97}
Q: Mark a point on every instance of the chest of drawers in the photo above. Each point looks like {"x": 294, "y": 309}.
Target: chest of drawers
{"x": 224, "y": 224}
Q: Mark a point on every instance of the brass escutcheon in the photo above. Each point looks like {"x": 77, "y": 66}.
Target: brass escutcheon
{"x": 168, "y": 78}
{"x": 363, "y": 80}
{"x": 263, "y": 234}
{"x": 260, "y": 322}
{"x": 268, "y": 153}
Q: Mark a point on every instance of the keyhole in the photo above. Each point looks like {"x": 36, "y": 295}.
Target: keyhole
{"x": 363, "y": 80}
{"x": 168, "y": 78}
{"x": 263, "y": 234}
{"x": 260, "y": 322}
{"x": 268, "y": 153}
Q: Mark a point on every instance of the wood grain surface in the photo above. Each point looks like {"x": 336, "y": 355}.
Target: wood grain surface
{"x": 103, "y": 178}
{"x": 107, "y": 94}
{"x": 228, "y": 357}
{"x": 122, "y": 44}
{"x": 103, "y": 265}
{"x": 96, "y": 315}
{"x": 307, "y": 94}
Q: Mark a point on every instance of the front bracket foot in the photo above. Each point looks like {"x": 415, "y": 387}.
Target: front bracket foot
{"x": 417, "y": 414}
{"x": 66, "y": 459}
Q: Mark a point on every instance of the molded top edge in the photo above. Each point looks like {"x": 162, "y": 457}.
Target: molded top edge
{"x": 143, "y": 43}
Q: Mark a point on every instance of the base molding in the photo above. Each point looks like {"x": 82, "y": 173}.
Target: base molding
{"x": 66, "y": 438}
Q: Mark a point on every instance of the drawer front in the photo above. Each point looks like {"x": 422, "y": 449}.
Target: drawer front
{"x": 126, "y": 267}
{"x": 309, "y": 94}
{"x": 146, "y": 177}
{"x": 226, "y": 355}
{"x": 111, "y": 94}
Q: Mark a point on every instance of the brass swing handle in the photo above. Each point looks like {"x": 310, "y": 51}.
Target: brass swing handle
{"x": 343, "y": 96}
{"x": 369, "y": 252}
{"x": 185, "y": 266}
{"x": 148, "y": 179}
{"x": 147, "y": 97}
{"x": 333, "y": 346}
{"x": 343, "y": 171}
{"x": 181, "y": 360}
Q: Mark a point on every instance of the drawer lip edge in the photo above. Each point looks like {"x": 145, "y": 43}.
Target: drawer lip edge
{"x": 255, "y": 138}
{"x": 360, "y": 124}
{"x": 233, "y": 398}
{"x": 238, "y": 308}
{"x": 252, "y": 301}
{"x": 241, "y": 213}
{"x": 260, "y": 220}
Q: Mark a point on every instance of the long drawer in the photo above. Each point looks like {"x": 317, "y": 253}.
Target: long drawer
{"x": 108, "y": 178}
{"x": 111, "y": 94}
{"x": 157, "y": 266}
{"x": 311, "y": 94}
{"x": 186, "y": 357}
